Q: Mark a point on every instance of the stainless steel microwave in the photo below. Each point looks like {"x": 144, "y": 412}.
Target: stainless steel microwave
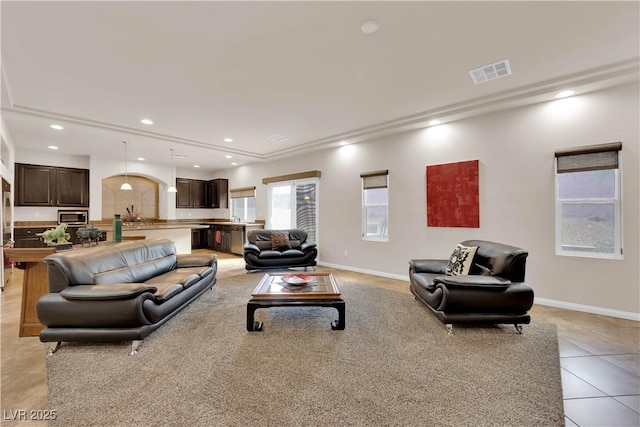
{"x": 73, "y": 217}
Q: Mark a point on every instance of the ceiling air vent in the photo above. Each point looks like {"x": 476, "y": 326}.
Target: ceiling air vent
{"x": 277, "y": 138}
{"x": 491, "y": 71}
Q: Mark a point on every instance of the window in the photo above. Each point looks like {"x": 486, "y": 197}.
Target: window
{"x": 243, "y": 203}
{"x": 375, "y": 205}
{"x": 588, "y": 219}
{"x": 293, "y": 202}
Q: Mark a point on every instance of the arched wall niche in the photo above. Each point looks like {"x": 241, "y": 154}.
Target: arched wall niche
{"x": 144, "y": 197}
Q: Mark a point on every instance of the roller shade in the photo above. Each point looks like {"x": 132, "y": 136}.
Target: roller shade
{"x": 593, "y": 157}
{"x": 377, "y": 179}
{"x": 239, "y": 193}
{"x": 291, "y": 177}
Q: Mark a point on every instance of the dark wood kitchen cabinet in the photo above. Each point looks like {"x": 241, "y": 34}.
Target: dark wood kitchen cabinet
{"x": 183, "y": 197}
{"x": 39, "y": 185}
{"x": 191, "y": 193}
{"x": 218, "y": 193}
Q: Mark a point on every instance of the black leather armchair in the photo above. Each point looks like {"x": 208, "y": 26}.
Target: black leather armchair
{"x": 493, "y": 292}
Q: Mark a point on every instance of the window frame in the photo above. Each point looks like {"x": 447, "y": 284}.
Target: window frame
{"x": 245, "y": 194}
{"x": 615, "y": 200}
{"x": 373, "y": 176}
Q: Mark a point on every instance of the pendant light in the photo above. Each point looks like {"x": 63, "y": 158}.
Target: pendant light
{"x": 125, "y": 185}
{"x": 172, "y": 188}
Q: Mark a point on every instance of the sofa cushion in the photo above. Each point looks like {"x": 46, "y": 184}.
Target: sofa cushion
{"x": 292, "y": 253}
{"x": 115, "y": 291}
{"x": 166, "y": 290}
{"x": 280, "y": 240}
{"x": 484, "y": 282}
{"x": 461, "y": 260}
{"x": 179, "y": 276}
{"x": 270, "y": 254}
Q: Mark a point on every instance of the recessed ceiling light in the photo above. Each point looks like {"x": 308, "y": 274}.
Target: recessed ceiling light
{"x": 228, "y": 156}
{"x": 142, "y": 159}
{"x": 146, "y": 121}
{"x": 56, "y": 127}
{"x": 196, "y": 166}
{"x": 52, "y": 147}
{"x": 434, "y": 122}
{"x": 565, "y": 93}
{"x": 228, "y": 140}
{"x": 370, "y": 26}
{"x": 234, "y": 164}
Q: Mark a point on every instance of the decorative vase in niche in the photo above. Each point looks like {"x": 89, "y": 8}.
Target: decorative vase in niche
{"x": 117, "y": 228}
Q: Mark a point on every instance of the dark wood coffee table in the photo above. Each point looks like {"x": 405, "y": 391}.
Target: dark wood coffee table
{"x": 272, "y": 291}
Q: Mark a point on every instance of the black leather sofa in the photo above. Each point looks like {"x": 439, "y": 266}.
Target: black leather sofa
{"x": 493, "y": 292}
{"x": 120, "y": 292}
{"x": 261, "y": 253}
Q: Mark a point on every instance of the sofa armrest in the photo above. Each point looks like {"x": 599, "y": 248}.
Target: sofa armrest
{"x": 195, "y": 260}
{"x": 473, "y": 281}
{"x": 115, "y": 291}
{"x": 307, "y": 246}
{"x": 428, "y": 265}
{"x": 251, "y": 247}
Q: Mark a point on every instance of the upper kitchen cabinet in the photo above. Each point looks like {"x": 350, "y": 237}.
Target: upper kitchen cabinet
{"x": 218, "y": 192}
{"x": 38, "y": 185}
{"x": 191, "y": 193}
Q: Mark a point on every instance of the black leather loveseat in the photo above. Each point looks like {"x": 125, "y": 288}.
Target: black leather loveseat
{"x": 493, "y": 291}
{"x": 120, "y": 292}
{"x": 273, "y": 249}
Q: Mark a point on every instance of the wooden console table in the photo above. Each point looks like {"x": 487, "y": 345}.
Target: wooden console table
{"x": 34, "y": 284}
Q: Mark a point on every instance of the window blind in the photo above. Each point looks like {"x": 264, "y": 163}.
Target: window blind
{"x": 377, "y": 179}
{"x": 292, "y": 177}
{"x": 589, "y": 158}
{"x": 239, "y": 193}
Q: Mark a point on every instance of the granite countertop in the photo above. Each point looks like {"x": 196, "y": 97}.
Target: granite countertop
{"x": 244, "y": 224}
{"x": 127, "y": 226}
{"x": 145, "y": 225}
{"x": 134, "y": 226}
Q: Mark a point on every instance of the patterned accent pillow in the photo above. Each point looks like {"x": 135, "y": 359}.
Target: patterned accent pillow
{"x": 461, "y": 260}
{"x": 280, "y": 241}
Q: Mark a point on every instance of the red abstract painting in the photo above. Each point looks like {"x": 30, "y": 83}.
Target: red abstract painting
{"x": 453, "y": 197}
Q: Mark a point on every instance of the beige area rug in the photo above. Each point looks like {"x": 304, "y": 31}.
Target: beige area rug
{"x": 394, "y": 364}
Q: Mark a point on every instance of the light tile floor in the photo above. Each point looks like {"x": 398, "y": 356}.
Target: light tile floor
{"x": 599, "y": 356}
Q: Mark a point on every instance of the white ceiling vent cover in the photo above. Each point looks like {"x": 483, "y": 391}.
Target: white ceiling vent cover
{"x": 491, "y": 71}
{"x": 277, "y": 138}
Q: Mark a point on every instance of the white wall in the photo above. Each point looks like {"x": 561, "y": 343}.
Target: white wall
{"x": 516, "y": 153}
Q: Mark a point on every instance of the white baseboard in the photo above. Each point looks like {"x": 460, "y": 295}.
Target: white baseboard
{"x": 541, "y": 301}
{"x": 588, "y": 309}
{"x": 365, "y": 271}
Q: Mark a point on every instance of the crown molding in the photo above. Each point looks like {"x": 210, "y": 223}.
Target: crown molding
{"x": 588, "y": 81}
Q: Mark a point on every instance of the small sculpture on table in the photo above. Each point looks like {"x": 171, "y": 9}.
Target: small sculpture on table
{"x": 57, "y": 237}
{"x": 89, "y": 234}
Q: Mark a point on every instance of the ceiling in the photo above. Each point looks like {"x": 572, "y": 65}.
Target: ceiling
{"x": 206, "y": 71}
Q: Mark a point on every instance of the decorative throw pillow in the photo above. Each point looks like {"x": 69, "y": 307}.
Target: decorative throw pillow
{"x": 461, "y": 260}
{"x": 280, "y": 241}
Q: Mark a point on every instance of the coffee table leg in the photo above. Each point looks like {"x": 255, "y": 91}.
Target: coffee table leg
{"x": 251, "y": 324}
{"x": 340, "y": 324}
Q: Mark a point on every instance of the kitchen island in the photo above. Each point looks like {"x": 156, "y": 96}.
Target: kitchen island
{"x": 180, "y": 234}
